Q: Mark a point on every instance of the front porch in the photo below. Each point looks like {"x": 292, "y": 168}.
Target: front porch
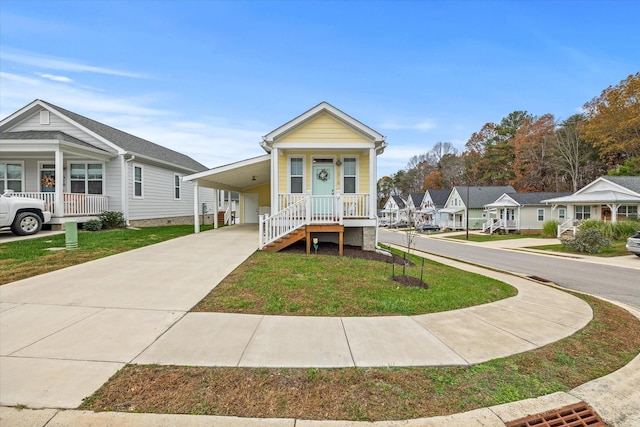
{"x": 302, "y": 214}
{"x": 71, "y": 205}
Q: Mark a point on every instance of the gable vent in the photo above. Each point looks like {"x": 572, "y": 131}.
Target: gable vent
{"x": 44, "y": 117}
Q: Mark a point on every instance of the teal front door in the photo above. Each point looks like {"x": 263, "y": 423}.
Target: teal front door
{"x": 323, "y": 184}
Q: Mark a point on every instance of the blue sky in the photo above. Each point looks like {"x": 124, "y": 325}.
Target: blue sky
{"x": 209, "y": 78}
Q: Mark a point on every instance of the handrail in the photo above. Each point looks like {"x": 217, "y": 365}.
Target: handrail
{"x": 283, "y": 222}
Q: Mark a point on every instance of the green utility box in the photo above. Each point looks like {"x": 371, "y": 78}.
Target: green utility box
{"x": 71, "y": 234}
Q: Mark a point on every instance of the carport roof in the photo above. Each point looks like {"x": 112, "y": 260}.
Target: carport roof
{"x": 238, "y": 176}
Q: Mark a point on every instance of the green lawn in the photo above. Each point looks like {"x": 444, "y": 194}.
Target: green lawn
{"x": 30, "y": 257}
{"x": 321, "y": 285}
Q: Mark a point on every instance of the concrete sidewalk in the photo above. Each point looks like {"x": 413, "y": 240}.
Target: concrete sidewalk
{"x": 63, "y": 334}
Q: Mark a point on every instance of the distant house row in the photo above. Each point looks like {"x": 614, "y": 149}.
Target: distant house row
{"x": 493, "y": 208}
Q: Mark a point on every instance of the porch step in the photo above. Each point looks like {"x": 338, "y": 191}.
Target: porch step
{"x": 286, "y": 240}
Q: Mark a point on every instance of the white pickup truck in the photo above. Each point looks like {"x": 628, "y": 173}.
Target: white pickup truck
{"x": 23, "y": 215}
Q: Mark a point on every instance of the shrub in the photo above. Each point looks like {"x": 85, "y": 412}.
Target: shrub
{"x": 112, "y": 219}
{"x": 92, "y": 225}
{"x": 619, "y": 230}
{"x": 550, "y": 228}
{"x": 588, "y": 240}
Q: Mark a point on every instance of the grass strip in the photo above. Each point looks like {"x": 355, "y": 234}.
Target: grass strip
{"x": 606, "y": 344}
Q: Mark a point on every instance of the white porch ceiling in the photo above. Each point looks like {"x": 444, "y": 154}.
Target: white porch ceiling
{"x": 237, "y": 176}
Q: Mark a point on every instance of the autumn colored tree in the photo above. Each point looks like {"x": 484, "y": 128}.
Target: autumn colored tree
{"x": 532, "y": 166}
{"x": 613, "y": 125}
{"x": 434, "y": 181}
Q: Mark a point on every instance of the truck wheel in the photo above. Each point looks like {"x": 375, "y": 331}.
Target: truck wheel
{"x": 26, "y": 224}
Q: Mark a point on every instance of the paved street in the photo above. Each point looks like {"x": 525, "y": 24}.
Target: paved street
{"x": 613, "y": 279}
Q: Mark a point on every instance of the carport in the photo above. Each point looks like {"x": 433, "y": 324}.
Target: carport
{"x": 250, "y": 178}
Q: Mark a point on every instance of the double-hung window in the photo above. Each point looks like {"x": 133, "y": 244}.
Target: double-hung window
{"x": 86, "y": 178}
{"x": 349, "y": 173}
{"x": 137, "y": 182}
{"x": 11, "y": 177}
{"x": 628, "y": 212}
{"x": 583, "y": 212}
{"x": 296, "y": 174}
{"x": 541, "y": 215}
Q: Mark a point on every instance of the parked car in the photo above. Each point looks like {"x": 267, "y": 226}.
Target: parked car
{"x": 24, "y": 216}
{"x": 383, "y": 223}
{"x": 633, "y": 244}
{"x": 427, "y": 228}
{"x": 400, "y": 224}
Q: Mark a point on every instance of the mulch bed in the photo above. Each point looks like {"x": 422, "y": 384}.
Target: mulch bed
{"x": 356, "y": 252}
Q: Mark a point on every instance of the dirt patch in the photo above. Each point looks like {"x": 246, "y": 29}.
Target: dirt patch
{"x": 411, "y": 282}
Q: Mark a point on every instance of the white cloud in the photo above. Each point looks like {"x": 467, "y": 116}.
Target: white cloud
{"x": 61, "y": 79}
{"x": 60, "y": 64}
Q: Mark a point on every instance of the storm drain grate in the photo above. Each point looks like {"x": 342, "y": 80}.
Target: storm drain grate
{"x": 576, "y": 415}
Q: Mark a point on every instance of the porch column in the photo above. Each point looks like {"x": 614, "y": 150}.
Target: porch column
{"x": 274, "y": 181}
{"x": 59, "y": 196}
{"x": 216, "y": 207}
{"x": 196, "y": 205}
{"x": 614, "y": 212}
{"x": 373, "y": 183}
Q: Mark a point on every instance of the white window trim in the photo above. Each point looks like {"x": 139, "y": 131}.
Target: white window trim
{"x": 86, "y": 179}
{"x": 179, "y": 186}
{"x": 538, "y": 214}
{"x": 357, "y": 175}
{"x": 22, "y": 174}
{"x": 304, "y": 172}
{"x": 564, "y": 213}
{"x": 133, "y": 181}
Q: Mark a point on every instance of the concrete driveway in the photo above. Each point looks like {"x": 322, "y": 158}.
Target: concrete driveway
{"x": 64, "y": 333}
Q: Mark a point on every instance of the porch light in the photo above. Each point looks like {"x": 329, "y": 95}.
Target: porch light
{"x": 338, "y": 163}
{"x": 253, "y": 178}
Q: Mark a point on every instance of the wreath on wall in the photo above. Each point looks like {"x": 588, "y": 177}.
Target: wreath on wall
{"x": 323, "y": 174}
{"x": 48, "y": 181}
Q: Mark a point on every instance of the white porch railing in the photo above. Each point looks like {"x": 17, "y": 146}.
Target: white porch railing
{"x": 283, "y": 222}
{"x": 354, "y": 205}
{"x": 570, "y": 224}
{"x": 74, "y": 204}
{"x": 497, "y": 223}
{"x": 297, "y": 210}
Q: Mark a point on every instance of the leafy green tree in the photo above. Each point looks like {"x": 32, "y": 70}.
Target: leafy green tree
{"x": 630, "y": 167}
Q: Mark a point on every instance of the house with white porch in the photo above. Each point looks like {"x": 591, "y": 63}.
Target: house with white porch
{"x": 608, "y": 198}
{"x": 414, "y": 201}
{"x": 81, "y": 168}
{"x": 522, "y": 212}
{"x": 432, "y": 202}
{"x": 317, "y": 181}
{"x": 465, "y": 206}
{"x": 395, "y": 210}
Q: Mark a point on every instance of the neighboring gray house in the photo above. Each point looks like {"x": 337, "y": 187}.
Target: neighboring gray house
{"x": 469, "y": 202}
{"x": 608, "y": 198}
{"x": 82, "y": 167}
{"x": 432, "y": 202}
{"x": 522, "y": 212}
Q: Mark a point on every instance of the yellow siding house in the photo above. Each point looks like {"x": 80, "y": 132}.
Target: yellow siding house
{"x": 317, "y": 181}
